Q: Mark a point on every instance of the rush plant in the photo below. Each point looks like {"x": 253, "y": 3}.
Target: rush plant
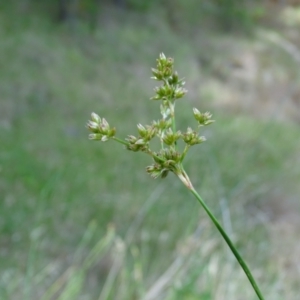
{"x": 170, "y": 157}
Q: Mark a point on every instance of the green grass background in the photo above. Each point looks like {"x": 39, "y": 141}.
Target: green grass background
{"x": 82, "y": 220}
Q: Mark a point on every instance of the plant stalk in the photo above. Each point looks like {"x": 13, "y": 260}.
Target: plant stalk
{"x": 186, "y": 181}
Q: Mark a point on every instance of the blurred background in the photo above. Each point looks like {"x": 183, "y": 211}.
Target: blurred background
{"x": 81, "y": 219}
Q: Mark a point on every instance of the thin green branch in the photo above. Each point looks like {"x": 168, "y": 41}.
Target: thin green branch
{"x": 173, "y": 118}
{"x": 186, "y": 148}
{"x": 224, "y": 234}
{"x": 120, "y": 141}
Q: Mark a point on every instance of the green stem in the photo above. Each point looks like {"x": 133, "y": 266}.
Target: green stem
{"x": 186, "y": 148}
{"x": 120, "y": 141}
{"x": 185, "y": 179}
{"x": 173, "y": 116}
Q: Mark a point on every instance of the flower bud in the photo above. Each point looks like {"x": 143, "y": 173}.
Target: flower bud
{"x": 131, "y": 139}
{"x": 95, "y": 118}
{"x": 142, "y": 130}
{"x": 95, "y": 136}
{"x": 174, "y": 79}
{"x": 104, "y": 126}
{"x": 169, "y": 62}
{"x": 179, "y": 92}
{"x": 140, "y": 142}
{"x": 170, "y": 137}
{"x": 192, "y": 138}
{"x": 104, "y": 138}
{"x": 202, "y": 118}
{"x": 171, "y": 155}
{"x": 136, "y": 144}
{"x": 154, "y": 170}
{"x": 157, "y": 75}
{"x": 162, "y": 57}
{"x": 93, "y": 126}
{"x": 168, "y": 71}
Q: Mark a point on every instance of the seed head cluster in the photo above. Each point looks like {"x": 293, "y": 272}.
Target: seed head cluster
{"x": 168, "y": 158}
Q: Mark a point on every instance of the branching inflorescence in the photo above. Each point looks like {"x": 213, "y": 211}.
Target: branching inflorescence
{"x": 169, "y": 158}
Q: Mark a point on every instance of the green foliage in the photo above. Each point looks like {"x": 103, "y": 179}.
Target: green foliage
{"x": 141, "y": 5}
{"x": 234, "y": 14}
{"x": 61, "y": 196}
{"x": 227, "y": 14}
